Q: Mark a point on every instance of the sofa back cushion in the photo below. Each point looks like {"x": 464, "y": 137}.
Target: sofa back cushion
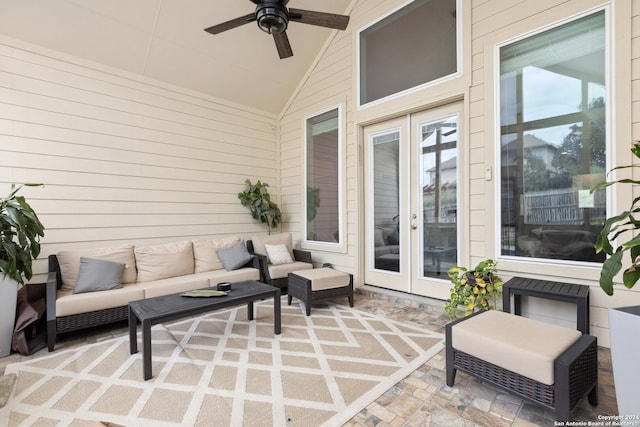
{"x": 165, "y": 260}
{"x": 259, "y": 243}
{"x": 70, "y": 263}
{"x": 205, "y": 256}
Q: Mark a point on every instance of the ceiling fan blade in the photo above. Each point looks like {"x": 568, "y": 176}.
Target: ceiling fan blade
{"x": 217, "y": 29}
{"x": 282, "y": 43}
{"x": 322, "y": 19}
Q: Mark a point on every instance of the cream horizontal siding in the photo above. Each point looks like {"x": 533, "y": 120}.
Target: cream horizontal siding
{"x": 124, "y": 158}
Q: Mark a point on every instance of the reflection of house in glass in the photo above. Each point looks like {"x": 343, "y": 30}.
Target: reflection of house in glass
{"x": 554, "y": 216}
{"x": 439, "y": 195}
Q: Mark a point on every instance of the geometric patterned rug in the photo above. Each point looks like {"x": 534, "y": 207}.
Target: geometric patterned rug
{"x": 219, "y": 369}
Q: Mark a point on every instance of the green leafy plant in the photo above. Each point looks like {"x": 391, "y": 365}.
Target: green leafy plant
{"x": 256, "y": 197}
{"x": 473, "y": 290}
{"x": 623, "y": 225}
{"x": 20, "y": 233}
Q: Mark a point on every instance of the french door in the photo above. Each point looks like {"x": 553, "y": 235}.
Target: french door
{"x": 411, "y": 198}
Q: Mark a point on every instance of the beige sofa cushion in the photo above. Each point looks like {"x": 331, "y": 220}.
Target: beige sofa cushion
{"x": 68, "y": 303}
{"x": 70, "y": 263}
{"x": 259, "y": 243}
{"x": 220, "y": 276}
{"x": 525, "y": 346}
{"x": 204, "y": 253}
{"x": 165, "y": 260}
{"x": 174, "y": 285}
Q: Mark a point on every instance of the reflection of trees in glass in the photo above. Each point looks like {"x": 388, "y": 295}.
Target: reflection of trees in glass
{"x": 571, "y": 159}
{"x": 537, "y": 177}
{"x": 446, "y": 196}
{"x": 313, "y": 203}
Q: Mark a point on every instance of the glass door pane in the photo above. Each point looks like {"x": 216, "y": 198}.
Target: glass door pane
{"x": 439, "y": 183}
{"x": 385, "y": 176}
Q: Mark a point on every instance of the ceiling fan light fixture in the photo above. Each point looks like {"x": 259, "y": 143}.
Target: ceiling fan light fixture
{"x": 272, "y": 18}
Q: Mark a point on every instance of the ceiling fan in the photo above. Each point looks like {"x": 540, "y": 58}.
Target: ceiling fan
{"x": 273, "y": 17}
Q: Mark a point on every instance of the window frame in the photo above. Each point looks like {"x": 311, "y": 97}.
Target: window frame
{"x": 610, "y": 148}
{"x": 340, "y": 246}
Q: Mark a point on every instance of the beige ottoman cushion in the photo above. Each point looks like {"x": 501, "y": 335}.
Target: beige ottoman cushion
{"x": 324, "y": 278}
{"x": 525, "y": 346}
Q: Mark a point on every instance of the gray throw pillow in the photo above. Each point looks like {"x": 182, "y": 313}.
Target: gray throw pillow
{"x": 98, "y": 275}
{"x": 234, "y": 257}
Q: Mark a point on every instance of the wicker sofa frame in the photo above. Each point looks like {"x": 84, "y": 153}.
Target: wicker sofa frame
{"x": 575, "y": 375}
{"x": 280, "y": 282}
{"x": 57, "y": 325}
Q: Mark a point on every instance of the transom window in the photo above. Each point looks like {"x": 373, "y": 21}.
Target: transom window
{"x": 413, "y": 46}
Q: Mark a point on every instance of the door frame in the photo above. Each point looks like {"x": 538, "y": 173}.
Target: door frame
{"x": 434, "y": 288}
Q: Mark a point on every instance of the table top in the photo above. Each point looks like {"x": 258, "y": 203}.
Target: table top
{"x": 547, "y": 287}
{"x": 176, "y": 304}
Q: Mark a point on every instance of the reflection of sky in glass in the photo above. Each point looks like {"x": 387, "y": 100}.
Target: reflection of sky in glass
{"x": 548, "y": 94}
{"x": 553, "y": 135}
{"x": 449, "y": 128}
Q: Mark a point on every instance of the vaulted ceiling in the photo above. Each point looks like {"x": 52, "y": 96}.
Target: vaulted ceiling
{"x": 165, "y": 40}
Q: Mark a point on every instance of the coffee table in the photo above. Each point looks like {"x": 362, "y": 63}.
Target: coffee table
{"x": 175, "y": 306}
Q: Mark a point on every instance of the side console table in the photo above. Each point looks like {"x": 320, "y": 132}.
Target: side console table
{"x": 567, "y": 292}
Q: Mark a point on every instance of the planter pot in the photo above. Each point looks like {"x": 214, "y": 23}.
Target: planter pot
{"x": 624, "y": 327}
{"x": 8, "y": 299}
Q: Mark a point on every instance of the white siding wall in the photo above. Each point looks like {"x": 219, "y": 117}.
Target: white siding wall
{"x": 124, "y": 158}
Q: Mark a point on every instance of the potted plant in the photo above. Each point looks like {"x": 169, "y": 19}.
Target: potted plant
{"x": 20, "y": 233}
{"x": 619, "y": 236}
{"x": 473, "y": 290}
{"x": 256, "y": 197}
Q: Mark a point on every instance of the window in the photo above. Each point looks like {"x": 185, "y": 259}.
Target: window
{"x": 413, "y": 46}
{"x": 553, "y": 100}
{"x": 323, "y": 177}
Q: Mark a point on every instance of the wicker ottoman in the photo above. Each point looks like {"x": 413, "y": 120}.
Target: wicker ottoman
{"x": 550, "y": 365}
{"x": 319, "y": 284}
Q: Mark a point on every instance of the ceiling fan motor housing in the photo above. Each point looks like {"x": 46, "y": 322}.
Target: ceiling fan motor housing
{"x": 272, "y": 17}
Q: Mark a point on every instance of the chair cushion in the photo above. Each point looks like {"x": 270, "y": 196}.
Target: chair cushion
{"x": 525, "y": 346}
{"x": 282, "y": 270}
{"x": 259, "y": 243}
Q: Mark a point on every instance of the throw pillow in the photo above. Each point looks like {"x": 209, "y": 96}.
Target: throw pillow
{"x": 278, "y": 254}
{"x": 235, "y": 256}
{"x": 98, "y": 275}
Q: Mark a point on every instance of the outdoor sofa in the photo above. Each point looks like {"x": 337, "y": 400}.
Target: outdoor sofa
{"x": 90, "y": 287}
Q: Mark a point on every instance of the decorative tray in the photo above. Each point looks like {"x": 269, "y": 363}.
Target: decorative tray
{"x": 204, "y": 293}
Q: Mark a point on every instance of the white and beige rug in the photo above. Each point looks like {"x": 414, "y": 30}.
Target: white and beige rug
{"x": 221, "y": 370}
